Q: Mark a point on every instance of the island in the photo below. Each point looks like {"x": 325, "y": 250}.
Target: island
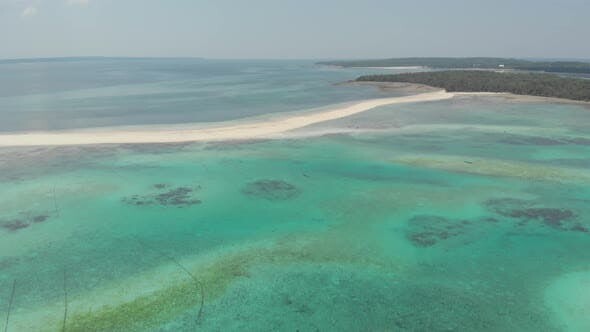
{"x": 534, "y": 84}
{"x": 470, "y": 63}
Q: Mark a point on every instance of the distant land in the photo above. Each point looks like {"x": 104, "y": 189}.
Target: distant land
{"x": 534, "y": 84}
{"x": 470, "y": 63}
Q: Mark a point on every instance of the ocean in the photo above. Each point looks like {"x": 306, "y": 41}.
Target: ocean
{"x": 467, "y": 214}
{"x": 97, "y": 92}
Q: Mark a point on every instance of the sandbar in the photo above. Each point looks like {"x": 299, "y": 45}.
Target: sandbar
{"x": 275, "y": 127}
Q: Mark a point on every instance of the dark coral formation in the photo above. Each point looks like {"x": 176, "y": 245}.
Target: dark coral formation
{"x": 25, "y": 220}
{"x": 427, "y": 230}
{"x": 490, "y": 219}
{"x": 272, "y": 190}
{"x": 505, "y": 206}
{"x": 524, "y": 211}
{"x": 15, "y": 225}
{"x": 178, "y": 197}
{"x": 579, "y": 228}
{"x": 550, "y": 216}
{"x": 40, "y": 218}
{"x": 136, "y": 200}
{"x": 423, "y": 239}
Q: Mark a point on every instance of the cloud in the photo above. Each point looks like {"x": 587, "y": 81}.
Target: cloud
{"x": 29, "y": 11}
{"x": 78, "y": 2}
{"x": 32, "y": 6}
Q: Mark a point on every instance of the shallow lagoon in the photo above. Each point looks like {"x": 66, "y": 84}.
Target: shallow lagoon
{"x": 469, "y": 214}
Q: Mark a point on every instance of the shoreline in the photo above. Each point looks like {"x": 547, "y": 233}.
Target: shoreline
{"x": 524, "y": 98}
{"x": 419, "y": 88}
{"x": 270, "y": 126}
{"x": 221, "y": 131}
{"x": 525, "y": 83}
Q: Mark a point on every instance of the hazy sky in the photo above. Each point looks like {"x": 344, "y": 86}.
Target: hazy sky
{"x": 295, "y": 28}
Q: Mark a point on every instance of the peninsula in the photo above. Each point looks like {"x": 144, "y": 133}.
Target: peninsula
{"x": 542, "y": 85}
{"x": 578, "y": 67}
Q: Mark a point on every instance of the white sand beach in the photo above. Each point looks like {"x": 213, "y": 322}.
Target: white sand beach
{"x": 221, "y": 131}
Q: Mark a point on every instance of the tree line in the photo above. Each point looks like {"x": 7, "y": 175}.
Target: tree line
{"x": 544, "y": 85}
{"x": 471, "y": 63}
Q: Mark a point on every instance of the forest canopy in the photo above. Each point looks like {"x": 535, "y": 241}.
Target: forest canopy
{"x": 470, "y": 63}
{"x": 545, "y": 85}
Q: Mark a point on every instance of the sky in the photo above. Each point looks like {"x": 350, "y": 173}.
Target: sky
{"x": 295, "y": 29}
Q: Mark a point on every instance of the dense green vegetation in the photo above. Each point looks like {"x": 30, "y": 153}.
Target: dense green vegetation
{"x": 465, "y": 63}
{"x": 545, "y": 85}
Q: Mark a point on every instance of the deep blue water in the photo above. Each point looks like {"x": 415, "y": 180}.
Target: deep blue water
{"x": 95, "y": 92}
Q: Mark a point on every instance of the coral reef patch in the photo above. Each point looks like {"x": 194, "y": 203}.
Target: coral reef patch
{"x": 165, "y": 195}
{"x": 524, "y": 211}
{"x": 15, "y": 225}
{"x": 549, "y": 216}
{"x": 24, "y": 221}
{"x": 272, "y": 190}
{"x": 428, "y": 230}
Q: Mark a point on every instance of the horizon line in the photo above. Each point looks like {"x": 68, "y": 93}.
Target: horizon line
{"x": 106, "y": 57}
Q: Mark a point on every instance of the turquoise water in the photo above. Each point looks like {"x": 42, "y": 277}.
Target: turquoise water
{"x": 470, "y": 214}
{"x": 467, "y": 214}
